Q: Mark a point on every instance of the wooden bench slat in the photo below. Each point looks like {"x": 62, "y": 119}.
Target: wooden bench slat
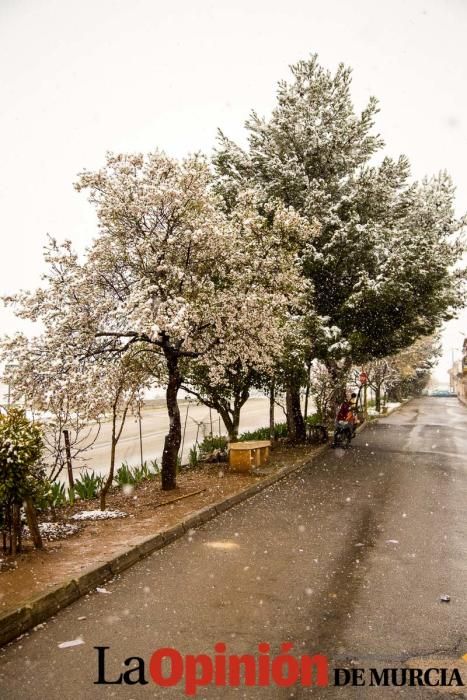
{"x": 249, "y": 444}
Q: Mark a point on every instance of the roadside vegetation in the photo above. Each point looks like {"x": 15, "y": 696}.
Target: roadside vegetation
{"x": 288, "y": 265}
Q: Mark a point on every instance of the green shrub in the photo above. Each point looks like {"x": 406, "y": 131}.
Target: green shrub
{"x": 211, "y": 443}
{"x": 315, "y": 419}
{"x": 280, "y": 431}
{"x": 135, "y": 475}
{"x": 22, "y": 475}
{"x": 57, "y": 495}
{"x": 88, "y": 485}
{"x": 143, "y": 472}
{"x": 193, "y": 457}
{"x": 44, "y": 500}
{"x": 124, "y": 475}
{"x": 21, "y": 472}
{"x": 154, "y": 465}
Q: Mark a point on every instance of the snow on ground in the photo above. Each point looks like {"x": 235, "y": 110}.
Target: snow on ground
{"x": 390, "y": 406}
{"x": 53, "y": 531}
{"x": 98, "y": 515}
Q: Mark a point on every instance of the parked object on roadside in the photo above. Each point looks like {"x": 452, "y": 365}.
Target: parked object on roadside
{"x": 342, "y": 435}
{"x": 213, "y": 449}
{"x": 216, "y": 455}
{"x": 317, "y": 433}
{"x": 316, "y": 430}
{"x": 445, "y": 598}
{"x": 346, "y": 424}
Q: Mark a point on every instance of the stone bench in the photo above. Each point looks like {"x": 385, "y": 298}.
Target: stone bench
{"x": 244, "y": 455}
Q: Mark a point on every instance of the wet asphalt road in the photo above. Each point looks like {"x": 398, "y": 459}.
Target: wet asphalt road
{"x": 348, "y": 557}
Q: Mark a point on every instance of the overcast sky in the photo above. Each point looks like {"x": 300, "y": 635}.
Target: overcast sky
{"x": 80, "y": 77}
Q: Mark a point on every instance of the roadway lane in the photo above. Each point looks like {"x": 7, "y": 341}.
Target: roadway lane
{"x": 348, "y": 557}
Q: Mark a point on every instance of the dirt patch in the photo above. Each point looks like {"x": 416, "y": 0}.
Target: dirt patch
{"x": 148, "y": 509}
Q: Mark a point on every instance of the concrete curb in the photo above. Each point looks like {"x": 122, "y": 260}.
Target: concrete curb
{"x": 15, "y": 622}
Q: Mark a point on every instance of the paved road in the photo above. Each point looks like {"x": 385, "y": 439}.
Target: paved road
{"x": 349, "y": 557}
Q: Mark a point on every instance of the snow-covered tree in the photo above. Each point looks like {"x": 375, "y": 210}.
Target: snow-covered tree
{"x": 56, "y": 390}
{"x": 21, "y": 475}
{"x": 121, "y": 384}
{"x": 74, "y": 395}
{"x": 411, "y": 368}
{"x": 382, "y": 266}
{"x": 381, "y": 374}
{"x": 272, "y": 235}
{"x": 169, "y": 273}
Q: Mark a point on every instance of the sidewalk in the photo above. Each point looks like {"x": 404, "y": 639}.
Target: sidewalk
{"x": 75, "y": 579}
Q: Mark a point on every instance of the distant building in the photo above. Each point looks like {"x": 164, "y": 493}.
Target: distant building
{"x": 458, "y": 375}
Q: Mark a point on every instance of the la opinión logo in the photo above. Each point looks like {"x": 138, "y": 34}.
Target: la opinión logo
{"x": 168, "y": 668}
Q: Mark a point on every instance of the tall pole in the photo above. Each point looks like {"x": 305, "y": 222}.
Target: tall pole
{"x": 365, "y": 402}
{"x": 184, "y": 431}
{"x": 140, "y": 434}
{"x": 271, "y": 409}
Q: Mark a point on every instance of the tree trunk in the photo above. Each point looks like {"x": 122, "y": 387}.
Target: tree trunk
{"x": 339, "y": 376}
{"x": 110, "y": 476}
{"x": 15, "y": 543}
{"x": 231, "y": 416}
{"x": 295, "y": 423}
{"x": 32, "y": 523}
{"x": 241, "y": 396}
{"x": 272, "y": 397}
{"x": 174, "y": 437}
{"x": 235, "y": 424}
{"x": 69, "y": 465}
{"x": 228, "y": 420}
{"x": 378, "y": 397}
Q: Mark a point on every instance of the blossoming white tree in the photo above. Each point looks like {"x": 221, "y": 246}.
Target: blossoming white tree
{"x": 273, "y": 238}
{"x": 120, "y": 383}
{"x": 74, "y": 396}
{"x": 169, "y": 274}
{"x": 55, "y": 389}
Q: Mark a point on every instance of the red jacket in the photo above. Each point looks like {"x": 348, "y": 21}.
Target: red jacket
{"x": 344, "y": 411}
